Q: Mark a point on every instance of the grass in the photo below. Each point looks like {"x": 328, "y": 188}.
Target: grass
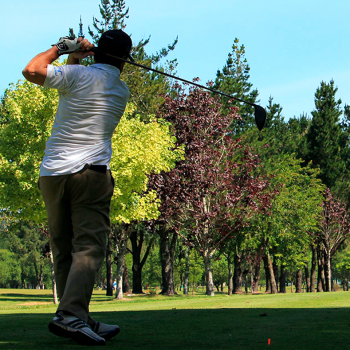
{"x": 291, "y": 321}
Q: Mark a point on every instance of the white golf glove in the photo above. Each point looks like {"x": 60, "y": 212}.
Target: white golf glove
{"x": 67, "y": 45}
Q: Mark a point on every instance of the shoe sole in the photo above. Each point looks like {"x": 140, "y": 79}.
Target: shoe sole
{"x": 78, "y": 335}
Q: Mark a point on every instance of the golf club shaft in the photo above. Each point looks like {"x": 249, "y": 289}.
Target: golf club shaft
{"x": 181, "y": 79}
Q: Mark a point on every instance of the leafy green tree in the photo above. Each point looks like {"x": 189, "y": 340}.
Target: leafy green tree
{"x": 278, "y": 137}
{"x": 196, "y": 269}
{"x": 10, "y": 270}
{"x": 334, "y": 229}
{"x": 139, "y": 148}
{"x": 29, "y": 244}
{"x": 220, "y": 273}
{"x": 295, "y": 213}
{"x": 341, "y": 268}
{"x": 29, "y": 111}
{"x": 151, "y": 273}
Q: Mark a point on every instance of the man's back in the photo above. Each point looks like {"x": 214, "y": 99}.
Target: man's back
{"x": 92, "y": 101}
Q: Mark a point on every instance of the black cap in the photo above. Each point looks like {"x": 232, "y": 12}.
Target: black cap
{"x": 115, "y": 42}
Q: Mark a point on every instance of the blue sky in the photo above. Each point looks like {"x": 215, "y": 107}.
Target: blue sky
{"x": 291, "y": 46}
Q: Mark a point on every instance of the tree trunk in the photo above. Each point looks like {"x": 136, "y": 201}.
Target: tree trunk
{"x": 307, "y": 277}
{"x": 313, "y": 269}
{"x": 328, "y": 269}
{"x": 275, "y": 271}
{"x": 187, "y": 271}
{"x": 126, "y": 284}
{"x": 299, "y": 281}
{"x": 137, "y": 238}
{"x": 246, "y": 284}
{"x": 256, "y": 278}
{"x": 23, "y": 277}
{"x": 272, "y": 275}
{"x": 237, "y": 274}
{"x": 136, "y": 279}
{"x": 39, "y": 275}
{"x": 120, "y": 271}
{"x": 122, "y": 234}
{"x": 109, "y": 262}
{"x": 230, "y": 275}
{"x": 53, "y": 279}
{"x": 208, "y": 274}
{"x": 41, "y": 278}
{"x": 283, "y": 276}
{"x": 167, "y": 252}
{"x": 136, "y": 261}
{"x": 320, "y": 270}
{"x": 267, "y": 275}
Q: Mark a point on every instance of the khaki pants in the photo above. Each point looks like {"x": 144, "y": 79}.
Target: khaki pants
{"x": 78, "y": 207}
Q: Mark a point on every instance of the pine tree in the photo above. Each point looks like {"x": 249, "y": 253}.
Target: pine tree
{"x": 342, "y": 186}
{"x": 147, "y": 88}
{"x": 325, "y": 135}
{"x": 234, "y": 79}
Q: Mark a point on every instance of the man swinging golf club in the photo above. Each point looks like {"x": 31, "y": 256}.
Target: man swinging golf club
{"x": 75, "y": 179}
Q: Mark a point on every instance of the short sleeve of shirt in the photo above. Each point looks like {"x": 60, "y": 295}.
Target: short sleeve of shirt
{"x": 61, "y": 78}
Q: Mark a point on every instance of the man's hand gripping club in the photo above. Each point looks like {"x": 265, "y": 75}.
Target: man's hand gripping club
{"x": 79, "y": 47}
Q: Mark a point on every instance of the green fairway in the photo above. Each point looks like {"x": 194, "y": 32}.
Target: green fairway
{"x": 290, "y": 321}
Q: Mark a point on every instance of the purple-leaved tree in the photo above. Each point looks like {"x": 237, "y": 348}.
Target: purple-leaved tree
{"x": 214, "y": 191}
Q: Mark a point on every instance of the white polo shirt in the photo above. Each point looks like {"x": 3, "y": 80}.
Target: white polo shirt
{"x": 91, "y": 102}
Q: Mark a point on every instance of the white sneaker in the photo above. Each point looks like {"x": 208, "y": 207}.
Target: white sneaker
{"x": 76, "y": 329}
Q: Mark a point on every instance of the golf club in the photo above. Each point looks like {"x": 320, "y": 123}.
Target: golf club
{"x": 259, "y": 112}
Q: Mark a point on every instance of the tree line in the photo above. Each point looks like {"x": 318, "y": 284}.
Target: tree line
{"x": 221, "y": 201}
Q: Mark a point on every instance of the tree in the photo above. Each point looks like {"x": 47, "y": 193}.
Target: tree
{"x": 295, "y": 212}
{"x": 342, "y": 185}
{"x": 138, "y": 236}
{"x": 211, "y": 192}
{"x": 234, "y": 79}
{"x": 278, "y": 137}
{"x": 220, "y": 275}
{"x": 29, "y": 243}
{"x": 10, "y": 271}
{"x": 342, "y": 268}
{"x": 325, "y": 139}
{"x": 147, "y": 88}
{"x": 139, "y": 149}
{"x": 29, "y": 111}
{"x": 334, "y": 230}
{"x": 151, "y": 273}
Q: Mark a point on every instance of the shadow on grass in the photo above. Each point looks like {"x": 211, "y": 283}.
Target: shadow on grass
{"x": 195, "y": 329}
{"x": 25, "y": 297}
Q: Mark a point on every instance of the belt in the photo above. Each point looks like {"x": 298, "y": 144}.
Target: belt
{"x": 98, "y": 168}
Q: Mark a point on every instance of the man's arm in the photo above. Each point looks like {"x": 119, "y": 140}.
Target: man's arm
{"x": 36, "y": 69}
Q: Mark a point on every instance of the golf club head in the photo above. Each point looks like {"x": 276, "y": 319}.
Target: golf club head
{"x": 260, "y": 116}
